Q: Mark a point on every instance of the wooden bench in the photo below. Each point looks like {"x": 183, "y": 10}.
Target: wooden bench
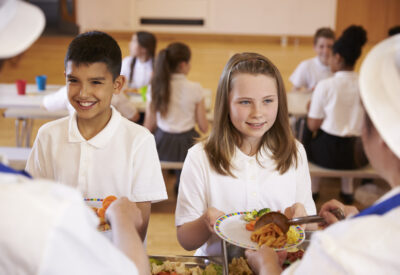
{"x": 165, "y": 165}
{"x": 364, "y": 172}
{"x": 15, "y": 157}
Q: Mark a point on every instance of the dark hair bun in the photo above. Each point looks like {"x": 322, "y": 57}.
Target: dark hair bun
{"x": 350, "y": 43}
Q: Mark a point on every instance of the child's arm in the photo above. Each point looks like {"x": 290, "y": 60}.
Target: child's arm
{"x": 150, "y": 119}
{"x": 201, "y": 117}
{"x": 194, "y": 234}
{"x": 145, "y": 209}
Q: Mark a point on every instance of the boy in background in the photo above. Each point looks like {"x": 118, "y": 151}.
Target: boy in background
{"x": 96, "y": 150}
{"x": 310, "y": 71}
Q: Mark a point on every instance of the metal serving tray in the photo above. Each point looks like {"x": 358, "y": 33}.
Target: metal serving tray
{"x": 190, "y": 261}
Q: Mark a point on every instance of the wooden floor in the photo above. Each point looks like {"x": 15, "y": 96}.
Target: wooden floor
{"x": 209, "y": 55}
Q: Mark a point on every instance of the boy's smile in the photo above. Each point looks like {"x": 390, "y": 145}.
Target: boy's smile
{"x": 90, "y": 89}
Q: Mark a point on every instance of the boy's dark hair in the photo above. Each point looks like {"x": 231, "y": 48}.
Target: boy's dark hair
{"x": 324, "y": 32}
{"x": 350, "y": 43}
{"x": 95, "y": 46}
{"x": 394, "y": 30}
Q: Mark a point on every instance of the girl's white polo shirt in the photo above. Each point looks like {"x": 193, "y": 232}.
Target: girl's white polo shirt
{"x": 121, "y": 160}
{"x": 142, "y": 72}
{"x": 254, "y": 187}
{"x": 309, "y": 72}
{"x": 337, "y": 101}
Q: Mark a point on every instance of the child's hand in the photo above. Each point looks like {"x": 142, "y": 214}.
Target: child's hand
{"x": 265, "y": 259}
{"x": 295, "y": 211}
{"x": 210, "y": 216}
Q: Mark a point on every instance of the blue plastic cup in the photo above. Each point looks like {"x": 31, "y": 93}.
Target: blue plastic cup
{"x": 41, "y": 82}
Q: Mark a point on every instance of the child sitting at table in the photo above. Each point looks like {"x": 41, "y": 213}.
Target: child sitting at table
{"x": 138, "y": 66}
{"x": 336, "y": 113}
{"x": 310, "y": 71}
{"x": 175, "y": 105}
{"x": 249, "y": 161}
{"x": 96, "y": 150}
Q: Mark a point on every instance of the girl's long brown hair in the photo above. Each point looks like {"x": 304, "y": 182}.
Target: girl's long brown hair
{"x": 167, "y": 62}
{"x": 220, "y": 144}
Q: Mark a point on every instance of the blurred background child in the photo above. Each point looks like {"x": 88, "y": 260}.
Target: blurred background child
{"x": 250, "y": 159}
{"x": 175, "y": 105}
{"x": 336, "y": 113}
{"x": 310, "y": 71}
{"x": 138, "y": 66}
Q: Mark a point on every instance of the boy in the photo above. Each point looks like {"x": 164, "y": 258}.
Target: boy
{"x": 310, "y": 71}
{"x": 96, "y": 150}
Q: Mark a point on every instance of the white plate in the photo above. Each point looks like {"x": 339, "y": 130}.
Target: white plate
{"x": 232, "y": 228}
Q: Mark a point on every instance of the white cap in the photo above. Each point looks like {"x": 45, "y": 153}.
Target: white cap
{"x": 380, "y": 90}
{"x": 21, "y": 24}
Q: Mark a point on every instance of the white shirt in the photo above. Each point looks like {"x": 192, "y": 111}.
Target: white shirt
{"x": 309, "y": 72}
{"x": 142, "y": 72}
{"x": 181, "y": 115}
{"x": 59, "y": 101}
{"x": 337, "y": 101}
{"x": 364, "y": 245}
{"x": 121, "y": 160}
{"x": 254, "y": 187}
{"x": 47, "y": 229}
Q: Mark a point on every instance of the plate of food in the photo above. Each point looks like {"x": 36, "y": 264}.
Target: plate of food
{"x": 100, "y": 206}
{"x": 236, "y": 228}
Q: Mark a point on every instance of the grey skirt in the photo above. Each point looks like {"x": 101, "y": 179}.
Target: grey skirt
{"x": 174, "y": 146}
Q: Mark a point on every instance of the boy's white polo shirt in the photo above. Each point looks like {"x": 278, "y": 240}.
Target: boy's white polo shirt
{"x": 254, "y": 187}
{"x": 337, "y": 101}
{"x": 121, "y": 160}
{"x": 309, "y": 72}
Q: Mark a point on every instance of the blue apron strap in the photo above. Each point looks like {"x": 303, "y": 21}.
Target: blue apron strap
{"x": 381, "y": 208}
{"x": 6, "y": 169}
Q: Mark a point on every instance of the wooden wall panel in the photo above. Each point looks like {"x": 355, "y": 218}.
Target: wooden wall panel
{"x": 375, "y": 16}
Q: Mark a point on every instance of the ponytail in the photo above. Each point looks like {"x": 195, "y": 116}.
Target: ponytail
{"x": 167, "y": 62}
{"x": 160, "y": 84}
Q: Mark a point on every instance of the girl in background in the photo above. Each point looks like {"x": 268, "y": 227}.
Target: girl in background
{"x": 249, "y": 161}
{"x": 336, "y": 113}
{"x": 138, "y": 66}
{"x": 175, "y": 105}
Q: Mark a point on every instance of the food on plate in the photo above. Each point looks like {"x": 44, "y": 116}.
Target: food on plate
{"x": 250, "y": 216}
{"x": 239, "y": 266}
{"x": 101, "y": 213}
{"x": 167, "y": 267}
{"x": 293, "y": 256}
{"x": 270, "y": 235}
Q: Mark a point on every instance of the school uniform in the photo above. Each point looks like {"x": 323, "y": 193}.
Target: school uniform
{"x": 48, "y": 229}
{"x": 255, "y": 187}
{"x": 309, "y": 72}
{"x": 175, "y": 132}
{"x": 337, "y": 101}
{"x": 142, "y": 72}
{"x": 365, "y": 244}
{"x": 120, "y": 160}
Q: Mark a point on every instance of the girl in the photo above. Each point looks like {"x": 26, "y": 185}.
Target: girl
{"x": 138, "y": 66}
{"x": 175, "y": 105}
{"x": 250, "y": 159}
{"x": 336, "y": 113}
